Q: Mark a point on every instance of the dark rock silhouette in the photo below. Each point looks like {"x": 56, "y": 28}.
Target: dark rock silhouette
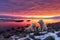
{"x": 37, "y": 39}
{"x": 28, "y": 20}
{"x": 19, "y": 20}
{"x": 27, "y": 39}
{"x": 58, "y": 34}
{"x": 1, "y": 32}
{"x": 49, "y": 38}
{"x": 8, "y": 30}
{"x": 7, "y": 35}
{"x": 55, "y": 26}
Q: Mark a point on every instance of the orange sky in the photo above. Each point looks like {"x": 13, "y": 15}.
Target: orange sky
{"x": 32, "y": 8}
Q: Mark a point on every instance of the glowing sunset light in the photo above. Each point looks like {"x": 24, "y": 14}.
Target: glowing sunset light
{"x": 39, "y": 16}
{"x": 47, "y": 10}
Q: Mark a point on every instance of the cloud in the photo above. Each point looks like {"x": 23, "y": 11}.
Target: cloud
{"x": 5, "y": 17}
{"x": 56, "y": 17}
{"x": 28, "y": 6}
{"x": 10, "y": 17}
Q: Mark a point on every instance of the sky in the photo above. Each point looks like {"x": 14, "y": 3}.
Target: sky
{"x": 30, "y": 8}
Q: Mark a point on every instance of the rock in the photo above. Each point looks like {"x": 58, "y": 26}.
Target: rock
{"x": 37, "y": 39}
{"x": 31, "y": 36}
{"x": 49, "y": 38}
{"x": 27, "y": 39}
{"x": 58, "y": 34}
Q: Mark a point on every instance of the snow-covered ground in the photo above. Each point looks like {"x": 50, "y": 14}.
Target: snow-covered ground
{"x": 31, "y": 36}
{"x": 42, "y": 37}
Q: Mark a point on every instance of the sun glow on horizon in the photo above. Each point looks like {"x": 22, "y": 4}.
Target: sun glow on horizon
{"x": 35, "y": 18}
{"x": 38, "y": 16}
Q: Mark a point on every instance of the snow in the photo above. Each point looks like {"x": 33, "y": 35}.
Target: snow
{"x": 42, "y": 36}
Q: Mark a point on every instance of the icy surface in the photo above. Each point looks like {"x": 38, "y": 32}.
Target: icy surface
{"x": 44, "y": 36}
